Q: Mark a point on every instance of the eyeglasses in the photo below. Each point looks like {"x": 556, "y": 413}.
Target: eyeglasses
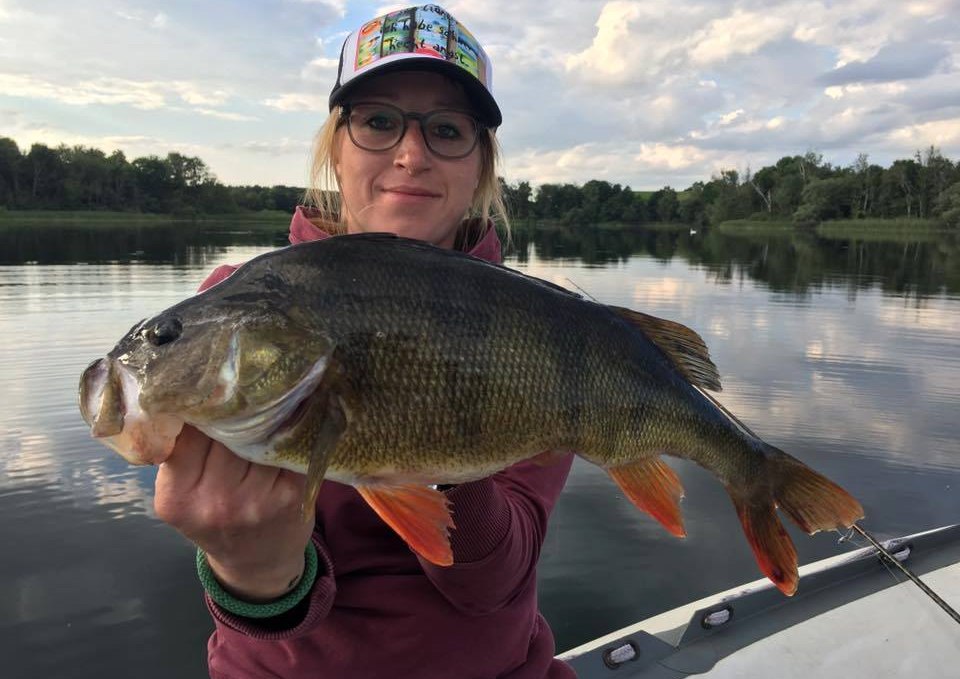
{"x": 379, "y": 127}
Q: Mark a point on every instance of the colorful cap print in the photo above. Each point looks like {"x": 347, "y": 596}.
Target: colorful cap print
{"x": 425, "y": 37}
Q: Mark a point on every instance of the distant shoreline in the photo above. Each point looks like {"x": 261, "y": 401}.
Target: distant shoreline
{"x": 56, "y": 217}
{"x": 272, "y": 219}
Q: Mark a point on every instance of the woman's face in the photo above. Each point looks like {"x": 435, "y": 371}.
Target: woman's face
{"x": 407, "y": 190}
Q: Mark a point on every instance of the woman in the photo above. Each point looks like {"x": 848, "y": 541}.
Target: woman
{"x": 410, "y": 144}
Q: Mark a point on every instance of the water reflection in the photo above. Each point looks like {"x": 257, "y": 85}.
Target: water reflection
{"x": 789, "y": 261}
{"x": 184, "y": 243}
{"x": 785, "y": 260}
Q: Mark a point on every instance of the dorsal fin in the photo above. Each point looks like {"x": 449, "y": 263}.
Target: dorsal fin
{"x": 681, "y": 345}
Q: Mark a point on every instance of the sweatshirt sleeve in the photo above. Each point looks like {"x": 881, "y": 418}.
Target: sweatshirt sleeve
{"x": 501, "y": 523}
{"x": 297, "y": 622}
{"x": 222, "y": 272}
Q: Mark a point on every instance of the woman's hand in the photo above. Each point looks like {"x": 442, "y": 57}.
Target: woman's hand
{"x": 245, "y": 516}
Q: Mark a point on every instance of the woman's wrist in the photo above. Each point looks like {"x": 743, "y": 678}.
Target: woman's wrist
{"x": 259, "y": 584}
{"x": 259, "y": 609}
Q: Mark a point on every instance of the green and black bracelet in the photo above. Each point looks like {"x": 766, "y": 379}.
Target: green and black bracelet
{"x": 267, "y": 610}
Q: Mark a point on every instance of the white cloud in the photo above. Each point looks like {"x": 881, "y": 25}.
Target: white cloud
{"x": 605, "y": 57}
{"x": 728, "y": 118}
{"x": 225, "y": 115}
{"x": 321, "y": 70}
{"x": 670, "y": 157}
{"x": 297, "y": 101}
{"x": 634, "y": 41}
{"x": 278, "y": 147}
{"x": 741, "y": 33}
{"x": 146, "y": 95}
{"x": 940, "y": 133}
{"x": 338, "y": 6}
{"x": 100, "y": 91}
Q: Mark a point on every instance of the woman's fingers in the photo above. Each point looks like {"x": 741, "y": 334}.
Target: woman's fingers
{"x": 180, "y": 474}
{"x": 245, "y": 516}
{"x": 223, "y": 468}
{"x": 184, "y": 468}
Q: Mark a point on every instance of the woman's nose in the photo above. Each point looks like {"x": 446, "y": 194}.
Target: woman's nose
{"x": 412, "y": 153}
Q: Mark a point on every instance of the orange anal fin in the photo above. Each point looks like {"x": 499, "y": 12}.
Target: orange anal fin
{"x": 419, "y": 515}
{"x": 653, "y": 487}
{"x": 771, "y": 545}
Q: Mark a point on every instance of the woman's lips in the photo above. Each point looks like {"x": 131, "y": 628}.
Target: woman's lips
{"x": 409, "y": 193}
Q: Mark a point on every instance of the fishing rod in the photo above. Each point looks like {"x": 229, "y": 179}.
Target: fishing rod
{"x": 910, "y": 574}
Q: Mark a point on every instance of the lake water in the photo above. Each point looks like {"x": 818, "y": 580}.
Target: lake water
{"x": 845, "y": 353}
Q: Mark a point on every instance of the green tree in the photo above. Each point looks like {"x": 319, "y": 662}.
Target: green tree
{"x": 664, "y": 204}
{"x": 121, "y": 189}
{"x": 904, "y": 177}
{"x": 934, "y": 175}
{"x": 43, "y": 171}
{"x": 86, "y": 177}
{"x": 691, "y": 207}
{"x": 948, "y": 205}
{"x": 831, "y": 198}
{"x": 10, "y": 159}
{"x": 727, "y": 198}
{"x": 154, "y": 184}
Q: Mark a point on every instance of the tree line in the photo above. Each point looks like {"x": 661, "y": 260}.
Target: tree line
{"x": 82, "y": 178}
{"x": 800, "y": 188}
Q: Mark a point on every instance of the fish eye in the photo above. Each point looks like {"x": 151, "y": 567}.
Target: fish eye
{"x": 166, "y": 330}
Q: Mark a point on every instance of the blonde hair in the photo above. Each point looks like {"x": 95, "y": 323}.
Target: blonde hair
{"x": 487, "y": 203}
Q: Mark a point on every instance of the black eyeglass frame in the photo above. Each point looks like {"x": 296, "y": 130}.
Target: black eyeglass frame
{"x": 406, "y": 116}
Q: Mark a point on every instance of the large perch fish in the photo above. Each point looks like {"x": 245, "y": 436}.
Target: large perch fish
{"x": 389, "y": 364}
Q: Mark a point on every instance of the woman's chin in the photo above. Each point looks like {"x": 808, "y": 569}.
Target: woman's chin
{"x": 413, "y": 227}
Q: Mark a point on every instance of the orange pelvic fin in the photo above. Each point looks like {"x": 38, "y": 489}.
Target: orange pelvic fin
{"x": 420, "y": 515}
{"x": 653, "y": 487}
{"x": 771, "y": 545}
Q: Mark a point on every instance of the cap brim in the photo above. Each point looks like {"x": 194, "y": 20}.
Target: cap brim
{"x": 483, "y": 102}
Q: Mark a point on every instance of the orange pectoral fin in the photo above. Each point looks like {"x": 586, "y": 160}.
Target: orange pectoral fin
{"x": 653, "y": 487}
{"x": 418, "y": 514}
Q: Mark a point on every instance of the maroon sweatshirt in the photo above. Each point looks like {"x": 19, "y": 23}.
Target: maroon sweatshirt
{"x": 378, "y": 610}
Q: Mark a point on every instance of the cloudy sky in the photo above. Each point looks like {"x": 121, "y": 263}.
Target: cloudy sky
{"x": 644, "y": 93}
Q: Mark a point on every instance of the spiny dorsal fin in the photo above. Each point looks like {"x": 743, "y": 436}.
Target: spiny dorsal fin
{"x": 684, "y": 347}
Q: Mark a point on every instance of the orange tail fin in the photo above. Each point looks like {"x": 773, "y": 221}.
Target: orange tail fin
{"x": 653, "y": 487}
{"x": 771, "y": 545}
{"x": 813, "y": 501}
{"x": 418, "y": 514}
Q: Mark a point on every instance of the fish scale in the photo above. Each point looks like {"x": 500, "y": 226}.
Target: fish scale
{"x": 390, "y": 364}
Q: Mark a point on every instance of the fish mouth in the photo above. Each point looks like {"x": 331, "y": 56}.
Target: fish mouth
{"x": 110, "y": 405}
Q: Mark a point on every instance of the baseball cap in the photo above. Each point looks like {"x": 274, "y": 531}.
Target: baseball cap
{"x": 425, "y": 37}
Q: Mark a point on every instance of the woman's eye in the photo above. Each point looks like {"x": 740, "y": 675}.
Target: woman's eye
{"x": 380, "y": 122}
{"x": 447, "y": 131}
